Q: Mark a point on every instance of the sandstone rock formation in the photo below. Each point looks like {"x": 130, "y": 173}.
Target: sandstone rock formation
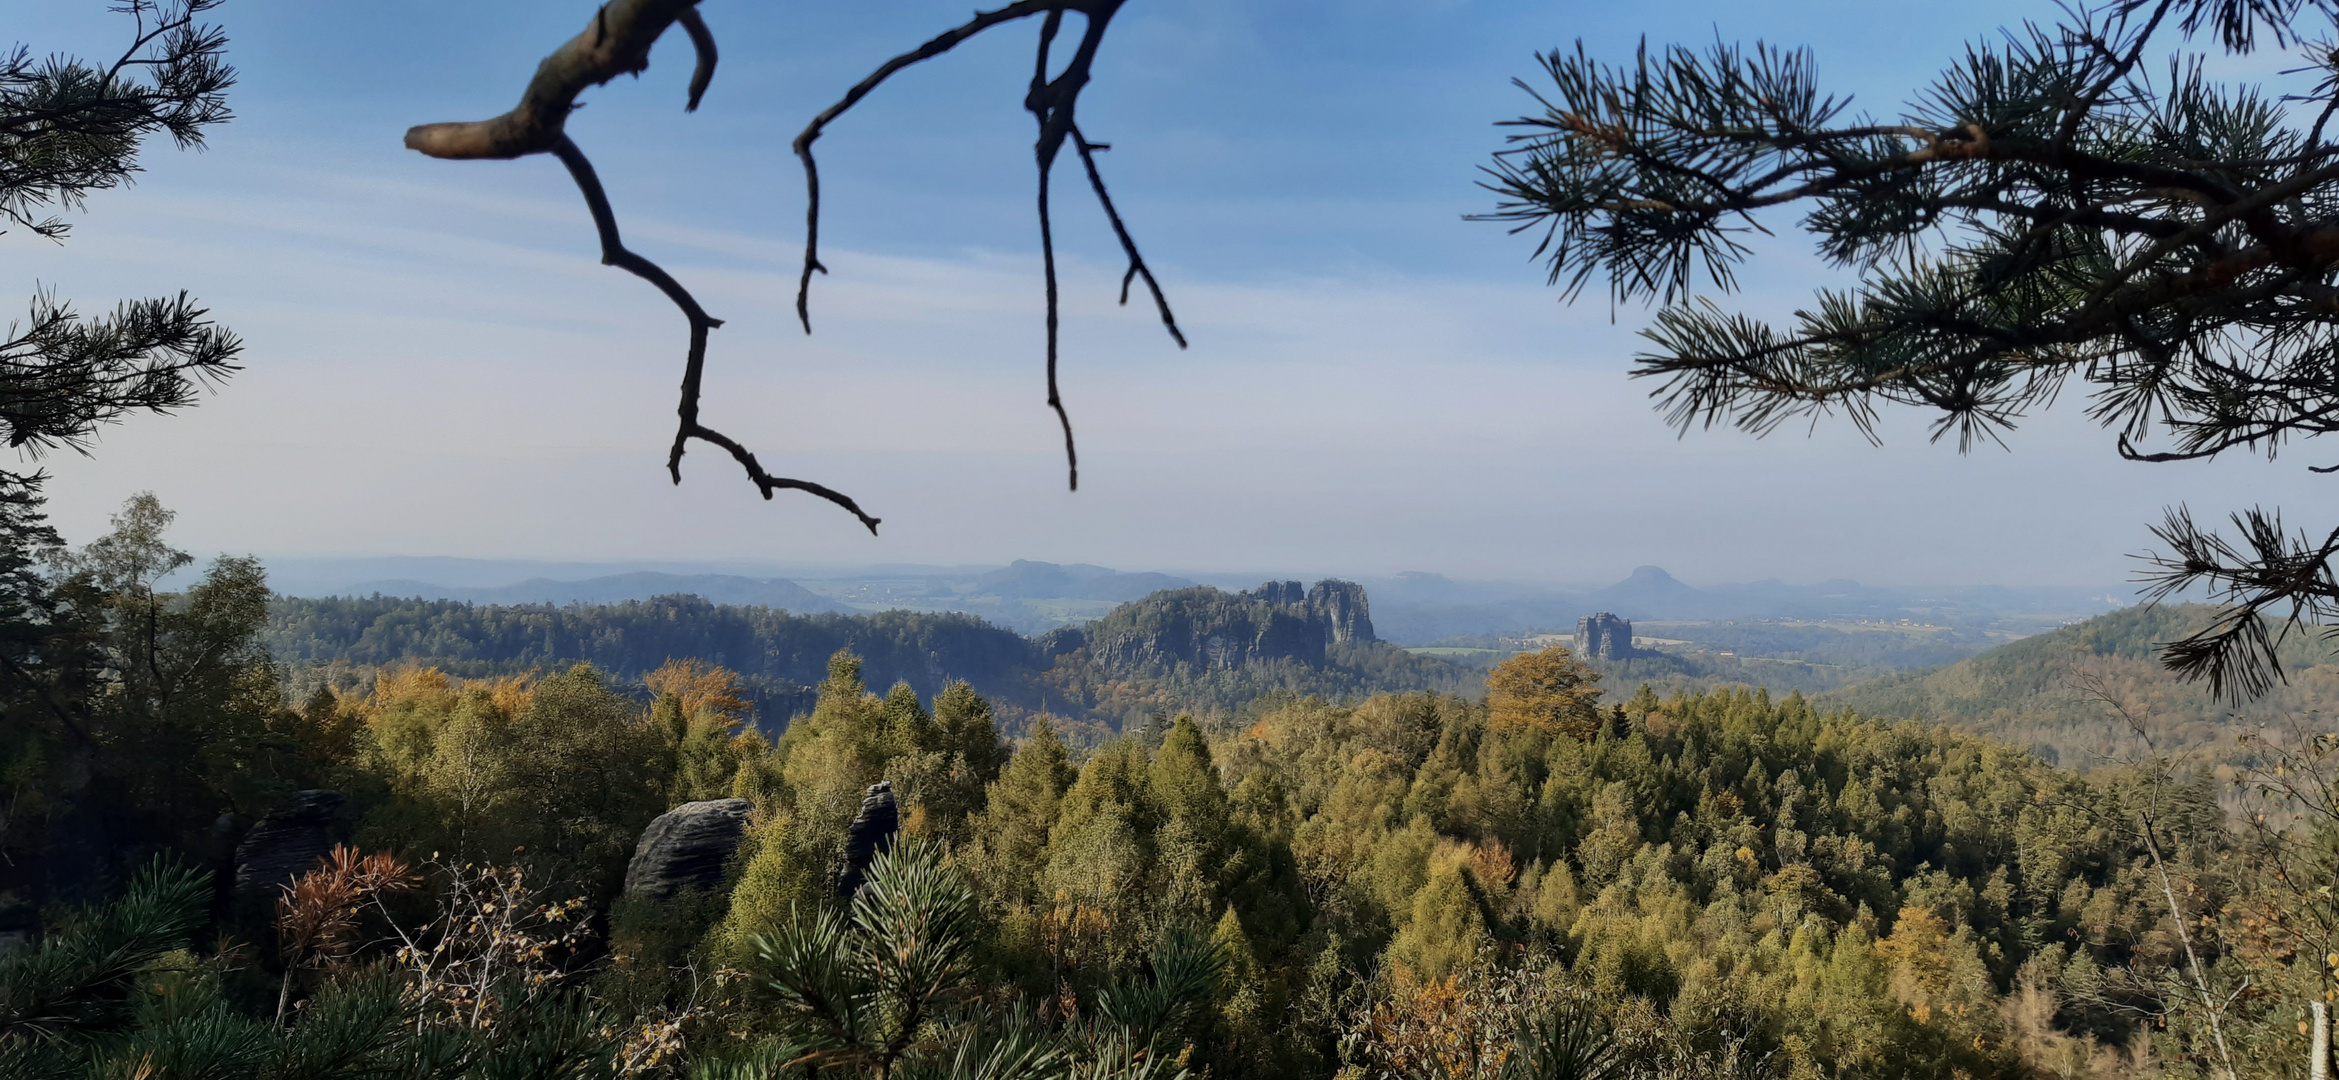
{"x": 1602, "y": 636}
{"x": 871, "y": 832}
{"x": 1343, "y": 608}
{"x": 1211, "y": 630}
{"x": 1281, "y": 592}
{"x": 287, "y": 843}
{"x": 685, "y": 848}
{"x": 1061, "y": 640}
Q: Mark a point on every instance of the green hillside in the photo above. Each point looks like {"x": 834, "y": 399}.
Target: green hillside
{"x": 2042, "y": 691}
{"x": 1194, "y": 649}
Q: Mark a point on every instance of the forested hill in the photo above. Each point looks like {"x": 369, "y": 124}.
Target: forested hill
{"x": 1196, "y": 649}
{"x": 1210, "y": 651}
{"x": 781, "y": 656}
{"x": 2046, "y": 692}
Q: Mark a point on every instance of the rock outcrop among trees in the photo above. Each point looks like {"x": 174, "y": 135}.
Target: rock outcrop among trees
{"x": 1602, "y": 636}
{"x": 287, "y": 843}
{"x": 686, "y": 848}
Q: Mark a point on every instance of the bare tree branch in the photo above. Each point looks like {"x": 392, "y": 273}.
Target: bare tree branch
{"x": 1137, "y": 267}
{"x": 615, "y": 253}
{"x": 617, "y": 42}
{"x": 702, "y": 40}
{"x": 1052, "y": 102}
{"x": 941, "y": 43}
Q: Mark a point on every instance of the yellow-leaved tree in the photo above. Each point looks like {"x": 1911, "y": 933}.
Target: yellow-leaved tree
{"x": 1549, "y": 691}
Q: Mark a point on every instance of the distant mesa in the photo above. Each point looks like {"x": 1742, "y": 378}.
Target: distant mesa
{"x": 1602, "y": 636}
{"x": 1205, "y": 628}
{"x": 1650, "y": 592}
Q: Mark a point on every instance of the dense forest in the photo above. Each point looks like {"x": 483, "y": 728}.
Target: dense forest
{"x": 779, "y": 656}
{"x": 2095, "y": 692}
{"x": 1193, "y": 649}
{"x": 1391, "y": 884}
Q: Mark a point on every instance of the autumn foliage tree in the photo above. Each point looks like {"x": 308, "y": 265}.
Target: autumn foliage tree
{"x": 1549, "y": 691}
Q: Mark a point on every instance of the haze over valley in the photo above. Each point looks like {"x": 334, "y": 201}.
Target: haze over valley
{"x": 1782, "y": 637}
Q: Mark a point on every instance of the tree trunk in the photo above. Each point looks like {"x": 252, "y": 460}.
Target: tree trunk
{"x": 2320, "y": 1067}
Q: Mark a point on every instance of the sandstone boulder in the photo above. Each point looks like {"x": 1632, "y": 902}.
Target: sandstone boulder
{"x": 686, "y": 847}
{"x": 289, "y": 842}
{"x": 871, "y": 832}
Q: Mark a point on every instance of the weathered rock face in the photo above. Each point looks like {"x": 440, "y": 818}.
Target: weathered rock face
{"x": 1347, "y": 616}
{"x": 1281, "y": 592}
{"x": 685, "y": 848}
{"x": 1061, "y": 640}
{"x": 287, "y": 843}
{"x": 871, "y": 832}
{"x": 1212, "y": 630}
{"x": 1602, "y": 636}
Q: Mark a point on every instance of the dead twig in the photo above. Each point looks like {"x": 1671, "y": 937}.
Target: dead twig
{"x": 1052, "y": 102}
{"x": 615, "y": 253}
{"x": 618, "y": 42}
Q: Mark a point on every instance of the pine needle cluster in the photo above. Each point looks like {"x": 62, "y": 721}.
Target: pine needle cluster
{"x": 2076, "y": 206}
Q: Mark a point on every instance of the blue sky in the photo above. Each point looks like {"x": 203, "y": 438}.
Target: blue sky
{"x": 438, "y": 365}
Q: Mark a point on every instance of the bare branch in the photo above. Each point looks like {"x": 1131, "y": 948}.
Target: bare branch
{"x": 1052, "y": 101}
{"x": 703, "y": 41}
{"x": 940, "y": 44}
{"x": 615, "y": 253}
{"x": 1137, "y": 267}
{"x": 617, "y": 42}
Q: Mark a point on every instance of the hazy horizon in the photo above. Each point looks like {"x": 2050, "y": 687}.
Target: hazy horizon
{"x": 437, "y": 363}
{"x": 463, "y": 571}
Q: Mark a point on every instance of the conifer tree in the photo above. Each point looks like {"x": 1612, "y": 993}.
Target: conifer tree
{"x": 1184, "y": 781}
{"x": 969, "y": 731}
{"x": 70, "y": 128}
{"x": 1020, "y": 811}
{"x": 908, "y": 728}
{"x": 2072, "y": 207}
{"x": 1193, "y": 840}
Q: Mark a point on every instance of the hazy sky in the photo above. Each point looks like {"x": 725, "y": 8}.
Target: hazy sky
{"x": 438, "y": 365}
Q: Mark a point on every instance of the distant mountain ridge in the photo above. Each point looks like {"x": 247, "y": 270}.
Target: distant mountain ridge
{"x": 1027, "y": 580}
{"x": 2041, "y": 692}
{"x": 1416, "y": 608}
{"x": 617, "y": 588}
{"x": 1032, "y": 596}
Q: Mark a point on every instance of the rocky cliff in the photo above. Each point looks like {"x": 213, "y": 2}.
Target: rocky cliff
{"x": 1207, "y": 629}
{"x": 1602, "y": 636}
{"x": 1344, "y": 610}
